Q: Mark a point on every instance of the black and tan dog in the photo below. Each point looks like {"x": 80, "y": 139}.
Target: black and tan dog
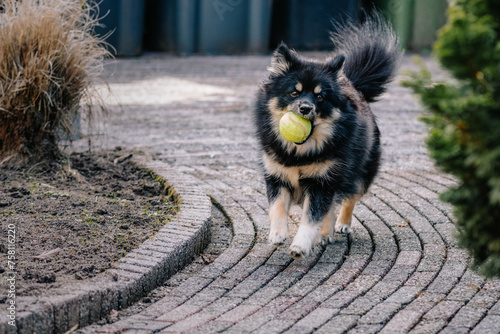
{"x": 328, "y": 172}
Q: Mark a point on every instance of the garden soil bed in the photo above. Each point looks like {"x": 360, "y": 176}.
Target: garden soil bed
{"x": 74, "y": 222}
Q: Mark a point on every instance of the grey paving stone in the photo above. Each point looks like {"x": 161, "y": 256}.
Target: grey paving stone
{"x": 492, "y": 284}
{"x": 322, "y": 293}
{"x": 472, "y": 278}
{"x": 153, "y": 326}
{"x": 179, "y": 313}
{"x": 489, "y": 324}
{"x": 442, "y": 284}
{"x": 404, "y": 295}
{"x": 399, "y": 274}
{"x": 383, "y": 289}
{"x": 189, "y": 324}
{"x": 255, "y": 281}
{"x": 313, "y": 320}
{"x": 215, "y": 326}
{"x": 363, "y": 283}
{"x": 265, "y": 295}
{"x": 462, "y": 292}
{"x": 467, "y": 317}
{"x": 191, "y": 286}
{"x": 361, "y": 305}
{"x": 239, "y": 313}
{"x": 365, "y": 329}
{"x": 381, "y": 313}
{"x": 378, "y": 267}
{"x": 408, "y": 258}
{"x": 443, "y": 310}
{"x": 338, "y": 324}
{"x": 222, "y": 305}
{"x": 341, "y": 299}
{"x": 402, "y": 322}
{"x": 495, "y": 309}
{"x": 455, "y": 330}
{"x": 429, "y": 327}
{"x": 254, "y": 321}
{"x": 275, "y": 326}
{"x": 298, "y": 310}
{"x": 421, "y": 279}
{"x": 285, "y": 279}
{"x": 343, "y": 276}
{"x": 485, "y": 298}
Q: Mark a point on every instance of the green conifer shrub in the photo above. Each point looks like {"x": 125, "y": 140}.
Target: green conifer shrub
{"x": 464, "y": 124}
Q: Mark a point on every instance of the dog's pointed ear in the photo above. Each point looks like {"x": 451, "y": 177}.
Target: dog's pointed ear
{"x": 335, "y": 64}
{"x": 282, "y": 60}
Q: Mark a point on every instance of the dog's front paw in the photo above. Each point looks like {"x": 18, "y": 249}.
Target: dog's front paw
{"x": 278, "y": 237}
{"x": 342, "y": 228}
{"x": 305, "y": 239}
{"x": 296, "y": 251}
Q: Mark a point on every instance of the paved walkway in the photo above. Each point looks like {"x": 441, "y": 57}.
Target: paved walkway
{"x": 400, "y": 270}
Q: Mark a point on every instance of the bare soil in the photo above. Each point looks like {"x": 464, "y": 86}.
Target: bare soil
{"x": 72, "y": 222}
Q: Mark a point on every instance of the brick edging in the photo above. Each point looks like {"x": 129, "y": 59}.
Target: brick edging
{"x": 134, "y": 275}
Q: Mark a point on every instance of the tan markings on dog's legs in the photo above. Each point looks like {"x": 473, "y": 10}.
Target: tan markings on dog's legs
{"x": 343, "y": 224}
{"x": 307, "y": 234}
{"x": 327, "y": 229}
{"x": 278, "y": 214}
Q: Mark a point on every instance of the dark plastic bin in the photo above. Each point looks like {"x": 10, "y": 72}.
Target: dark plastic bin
{"x": 415, "y": 21}
{"x": 307, "y": 25}
{"x": 400, "y": 14}
{"x": 208, "y": 26}
{"x": 124, "y": 19}
{"x": 429, "y": 17}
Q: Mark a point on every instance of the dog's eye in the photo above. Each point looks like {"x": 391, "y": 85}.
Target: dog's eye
{"x": 294, "y": 93}
{"x": 320, "y": 98}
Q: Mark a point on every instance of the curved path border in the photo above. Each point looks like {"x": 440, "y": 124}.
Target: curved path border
{"x": 134, "y": 275}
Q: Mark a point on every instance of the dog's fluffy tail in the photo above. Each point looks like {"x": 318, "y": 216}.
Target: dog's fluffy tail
{"x": 372, "y": 54}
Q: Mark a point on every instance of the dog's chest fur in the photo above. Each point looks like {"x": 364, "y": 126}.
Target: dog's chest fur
{"x": 293, "y": 174}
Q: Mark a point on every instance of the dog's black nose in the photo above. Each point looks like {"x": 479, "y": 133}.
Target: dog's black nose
{"x": 305, "y": 109}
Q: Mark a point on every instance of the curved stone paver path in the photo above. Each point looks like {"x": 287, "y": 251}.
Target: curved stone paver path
{"x": 400, "y": 271}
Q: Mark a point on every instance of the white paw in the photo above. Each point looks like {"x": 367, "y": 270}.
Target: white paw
{"x": 296, "y": 251}
{"x": 304, "y": 240}
{"x": 342, "y": 228}
{"x": 278, "y": 236}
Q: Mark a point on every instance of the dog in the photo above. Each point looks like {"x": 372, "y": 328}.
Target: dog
{"x": 333, "y": 167}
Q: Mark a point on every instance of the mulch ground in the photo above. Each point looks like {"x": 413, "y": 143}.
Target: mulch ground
{"x": 73, "y": 222}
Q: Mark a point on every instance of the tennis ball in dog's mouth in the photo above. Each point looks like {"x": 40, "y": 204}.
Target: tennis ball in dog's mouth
{"x": 294, "y": 128}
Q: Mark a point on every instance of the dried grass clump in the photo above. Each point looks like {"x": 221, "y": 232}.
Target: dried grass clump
{"x": 49, "y": 58}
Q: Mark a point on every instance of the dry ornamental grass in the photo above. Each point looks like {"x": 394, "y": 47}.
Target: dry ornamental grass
{"x": 49, "y": 58}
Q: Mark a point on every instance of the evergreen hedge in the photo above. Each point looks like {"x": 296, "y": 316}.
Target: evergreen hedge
{"x": 464, "y": 124}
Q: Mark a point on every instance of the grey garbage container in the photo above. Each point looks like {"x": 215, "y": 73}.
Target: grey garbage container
{"x": 307, "y": 25}
{"x": 208, "y": 26}
{"x": 123, "y": 21}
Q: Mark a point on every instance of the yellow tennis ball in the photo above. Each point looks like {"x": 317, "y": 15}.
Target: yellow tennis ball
{"x": 294, "y": 128}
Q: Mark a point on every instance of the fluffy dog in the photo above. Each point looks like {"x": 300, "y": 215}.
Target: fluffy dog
{"x": 330, "y": 171}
